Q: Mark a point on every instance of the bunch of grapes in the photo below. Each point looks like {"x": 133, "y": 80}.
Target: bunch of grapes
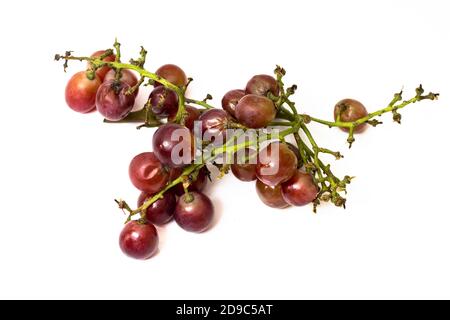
{"x": 173, "y": 176}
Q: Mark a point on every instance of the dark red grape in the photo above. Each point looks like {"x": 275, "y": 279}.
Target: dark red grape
{"x": 350, "y": 110}
{"x": 214, "y": 123}
{"x": 173, "y": 145}
{"x": 262, "y": 84}
{"x": 276, "y": 164}
{"x": 127, "y": 76}
{"x": 161, "y": 211}
{"x": 270, "y": 196}
{"x": 244, "y": 166}
{"x": 164, "y": 102}
{"x": 300, "y": 189}
{"x": 255, "y": 111}
{"x": 81, "y": 92}
{"x": 101, "y": 72}
{"x": 147, "y": 173}
{"x": 172, "y": 73}
{"x": 138, "y": 240}
{"x": 112, "y": 100}
{"x": 194, "y": 212}
{"x": 231, "y": 99}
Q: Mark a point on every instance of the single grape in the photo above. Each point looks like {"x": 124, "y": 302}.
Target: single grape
{"x": 172, "y": 73}
{"x": 147, "y": 173}
{"x": 231, "y": 99}
{"x": 194, "y": 212}
{"x": 351, "y": 110}
{"x": 81, "y": 92}
{"x": 276, "y": 164}
{"x": 255, "y": 111}
{"x": 192, "y": 114}
{"x": 127, "y": 76}
{"x": 261, "y": 85}
{"x": 300, "y": 189}
{"x": 112, "y": 100}
{"x": 244, "y": 166}
{"x": 164, "y": 102}
{"x": 101, "y": 72}
{"x": 173, "y": 145}
{"x": 214, "y": 123}
{"x": 161, "y": 211}
{"x": 139, "y": 240}
{"x": 270, "y": 196}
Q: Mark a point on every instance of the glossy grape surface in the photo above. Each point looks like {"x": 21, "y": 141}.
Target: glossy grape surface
{"x": 147, "y": 173}
{"x": 139, "y": 241}
{"x": 161, "y": 211}
{"x": 300, "y": 189}
{"x": 112, "y": 100}
{"x": 350, "y": 110}
{"x": 194, "y": 212}
{"x": 81, "y": 92}
{"x": 173, "y": 145}
{"x": 270, "y": 196}
{"x": 172, "y": 73}
{"x": 230, "y": 101}
{"x": 255, "y": 111}
{"x": 276, "y": 164}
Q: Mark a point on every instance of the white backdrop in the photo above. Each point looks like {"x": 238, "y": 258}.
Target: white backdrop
{"x": 60, "y": 170}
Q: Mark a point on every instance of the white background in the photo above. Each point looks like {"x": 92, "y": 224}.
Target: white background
{"x": 60, "y": 170}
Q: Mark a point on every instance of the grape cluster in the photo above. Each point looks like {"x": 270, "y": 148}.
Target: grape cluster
{"x": 173, "y": 176}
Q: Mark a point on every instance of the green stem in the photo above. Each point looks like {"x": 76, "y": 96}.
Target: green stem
{"x": 199, "y": 103}
{"x": 281, "y": 124}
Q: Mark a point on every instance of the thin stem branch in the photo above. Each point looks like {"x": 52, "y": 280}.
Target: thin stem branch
{"x": 203, "y": 104}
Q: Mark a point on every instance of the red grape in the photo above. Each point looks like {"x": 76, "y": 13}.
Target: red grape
{"x": 276, "y": 164}
{"x": 101, "y": 72}
{"x": 255, "y": 111}
{"x": 194, "y": 212}
{"x": 271, "y": 196}
{"x": 164, "y": 102}
{"x": 147, "y": 173}
{"x": 244, "y": 166}
{"x": 127, "y": 76}
{"x": 173, "y": 145}
{"x": 112, "y": 100}
{"x": 81, "y": 92}
{"x": 173, "y": 74}
{"x": 262, "y": 84}
{"x": 214, "y": 123}
{"x": 139, "y": 240}
{"x": 300, "y": 189}
{"x": 350, "y": 110}
{"x": 231, "y": 99}
{"x": 161, "y": 211}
